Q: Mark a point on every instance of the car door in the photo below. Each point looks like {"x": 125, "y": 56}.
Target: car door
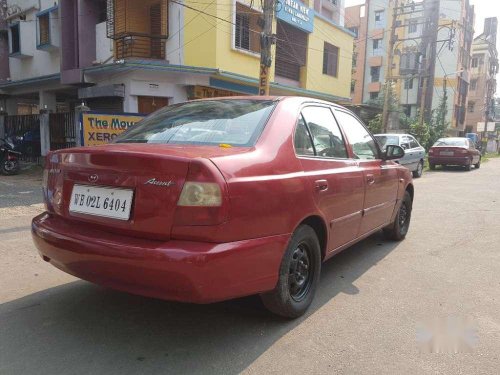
{"x": 336, "y": 181}
{"x": 380, "y": 177}
{"x": 417, "y": 150}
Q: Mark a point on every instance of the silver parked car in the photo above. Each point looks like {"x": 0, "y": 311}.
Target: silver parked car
{"x": 414, "y": 152}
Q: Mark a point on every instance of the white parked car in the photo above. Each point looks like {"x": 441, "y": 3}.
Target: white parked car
{"x": 414, "y": 152}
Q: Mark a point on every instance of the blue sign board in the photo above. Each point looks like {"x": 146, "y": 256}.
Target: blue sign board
{"x": 296, "y": 14}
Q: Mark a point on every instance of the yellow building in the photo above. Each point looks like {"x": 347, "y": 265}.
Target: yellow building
{"x": 312, "y": 55}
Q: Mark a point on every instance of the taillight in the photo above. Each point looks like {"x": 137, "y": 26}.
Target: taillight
{"x": 462, "y": 151}
{"x": 200, "y": 194}
{"x": 203, "y": 199}
{"x": 431, "y": 151}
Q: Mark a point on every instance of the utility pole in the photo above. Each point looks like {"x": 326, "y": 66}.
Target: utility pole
{"x": 390, "y": 59}
{"x": 267, "y": 39}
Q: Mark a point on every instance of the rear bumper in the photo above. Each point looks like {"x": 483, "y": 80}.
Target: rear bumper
{"x": 449, "y": 160}
{"x": 185, "y": 271}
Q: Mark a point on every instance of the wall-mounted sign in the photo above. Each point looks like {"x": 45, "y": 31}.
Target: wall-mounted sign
{"x": 296, "y": 14}
{"x": 201, "y": 92}
{"x": 101, "y": 128}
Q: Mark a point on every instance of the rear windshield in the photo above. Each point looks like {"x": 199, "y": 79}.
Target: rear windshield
{"x": 236, "y": 122}
{"x": 451, "y": 142}
{"x": 384, "y": 140}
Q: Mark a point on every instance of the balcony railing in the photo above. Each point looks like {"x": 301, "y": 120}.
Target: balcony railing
{"x": 140, "y": 46}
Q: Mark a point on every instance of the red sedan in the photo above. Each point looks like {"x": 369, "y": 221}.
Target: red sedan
{"x": 454, "y": 151}
{"x": 221, "y": 198}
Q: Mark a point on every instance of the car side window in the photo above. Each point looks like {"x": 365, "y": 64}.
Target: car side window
{"x": 302, "y": 139}
{"x": 413, "y": 143}
{"x": 405, "y": 143}
{"x": 363, "y": 144}
{"x": 327, "y": 137}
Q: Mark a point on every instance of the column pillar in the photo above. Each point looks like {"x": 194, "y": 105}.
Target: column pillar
{"x": 79, "y": 110}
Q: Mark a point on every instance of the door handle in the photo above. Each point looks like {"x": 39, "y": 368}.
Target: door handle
{"x": 321, "y": 185}
{"x": 370, "y": 179}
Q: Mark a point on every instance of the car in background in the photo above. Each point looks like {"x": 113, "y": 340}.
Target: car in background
{"x": 454, "y": 151}
{"x": 414, "y": 152}
{"x": 251, "y": 205}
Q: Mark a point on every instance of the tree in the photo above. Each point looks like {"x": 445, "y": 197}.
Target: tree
{"x": 375, "y": 124}
{"x": 420, "y": 130}
{"x": 438, "y": 123}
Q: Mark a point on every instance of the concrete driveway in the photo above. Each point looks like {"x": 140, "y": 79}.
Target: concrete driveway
{"x": 375, "y": 306}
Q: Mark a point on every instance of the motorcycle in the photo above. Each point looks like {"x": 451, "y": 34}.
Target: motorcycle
{"x": 9, "y": 158}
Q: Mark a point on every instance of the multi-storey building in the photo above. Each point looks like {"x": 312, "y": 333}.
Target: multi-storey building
{"x": 432, "y": 44}
{"x": 484, "y": 67}
{"x": 136, "y": 56}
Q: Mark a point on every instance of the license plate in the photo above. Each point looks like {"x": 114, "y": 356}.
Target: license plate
{"x": 446, "y": 153}
{"x": 101, "y": 201}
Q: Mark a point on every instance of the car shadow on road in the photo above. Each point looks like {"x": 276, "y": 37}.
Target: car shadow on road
{"x": 81, "y": 328}
{"x": 452, "y": 169}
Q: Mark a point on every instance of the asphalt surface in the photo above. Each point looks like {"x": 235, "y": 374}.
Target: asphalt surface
{"x": 372, "y": 314}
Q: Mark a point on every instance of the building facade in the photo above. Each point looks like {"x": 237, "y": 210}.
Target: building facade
{"x": 484, "y": 68}
{"x": 131, "y": 56}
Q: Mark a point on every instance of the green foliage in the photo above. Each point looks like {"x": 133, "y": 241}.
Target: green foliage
{"x": 375, "y": 124}
{"x": 438, "y": 123}
{"x": 420, "y": 131}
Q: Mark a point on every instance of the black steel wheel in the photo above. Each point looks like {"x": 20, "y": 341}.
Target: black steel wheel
{"x": 298, "y": 275}
{"x": 399, "y": 228}
{"x": 9, "y": 167}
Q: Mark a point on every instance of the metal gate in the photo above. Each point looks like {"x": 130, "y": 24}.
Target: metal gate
{"x": 24, "y": 131}
{"x": 62, "y": 130}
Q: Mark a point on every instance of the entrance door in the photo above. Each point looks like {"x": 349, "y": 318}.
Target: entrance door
{"x": 381, "y": 178}
{"x": 149, "y": 104}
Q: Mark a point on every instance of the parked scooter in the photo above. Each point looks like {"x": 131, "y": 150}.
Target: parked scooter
{"x": 9, "y": 158}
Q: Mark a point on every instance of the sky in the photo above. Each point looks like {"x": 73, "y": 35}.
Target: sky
{"x": 482, "y": 8}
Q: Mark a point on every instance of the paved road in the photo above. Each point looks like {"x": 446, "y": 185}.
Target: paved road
{"x": 373, "y": 307}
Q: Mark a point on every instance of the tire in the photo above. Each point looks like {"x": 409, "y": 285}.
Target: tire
{"x": 478, "y": 164}
{"x": 298, "y": 275}
{"x": 397, "y": 231}
{"x": 9, "y": 167}
{"x": 420, "y": 168}
{"x": 432, "y": 167}
{"x": 468, "y": 166}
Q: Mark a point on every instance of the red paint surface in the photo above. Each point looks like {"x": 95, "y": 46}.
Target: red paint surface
{"x": 267, "y": 192}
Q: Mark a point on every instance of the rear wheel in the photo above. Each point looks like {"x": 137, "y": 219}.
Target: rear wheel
{"x": 9, "y": 167}
{"x": 298, "y": 275}
{"x": 420, "y": 168}
{"x": 397, "y": 231}
{"x": 468, "y": 166}
{"x": 478, "y": 164}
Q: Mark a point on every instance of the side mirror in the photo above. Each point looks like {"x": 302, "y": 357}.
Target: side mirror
{"x": 393, "y": 152}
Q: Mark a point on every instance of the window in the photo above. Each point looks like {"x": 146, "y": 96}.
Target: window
{"x": 375, "y": 73}
{"x": 379, "y": 19}
{"x": 363, "y": 145}
{"x": 326, "y": 135}
{"x": 354, "y": 59}
{"x": 373, "y": 95}
{"x": 377, "y": 47}
{"x": 408, "y": 85}
{"x": 412, "y": 26}
{"x": 353, "y": 86}
{"x": 475, "y": 62}
{"x": 473, "y": 84}
{"x": 407, "y": 110}
{"x": 44, "y": 29}
{"x": 405, "y": 143}
{"x": 470, "y": 106}
{"x": 15, "y": 42}
{"x": 242, "y": 37}
{"x": 237, "y": 122}
{"x": 247, "y": 29}
{"x": 362, "y": 11}
{"x": 330, "y": 59}
{"x": 413, "y": 143}
{"x": 355, "y": 31}
{"x": 302, "y": 139}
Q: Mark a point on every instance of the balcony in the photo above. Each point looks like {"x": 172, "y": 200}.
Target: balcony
{"x": 375, "y": 61}
{"x": 374, "y": 86}
{"x": 138, "y": 28}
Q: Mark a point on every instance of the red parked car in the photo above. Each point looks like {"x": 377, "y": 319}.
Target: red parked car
{"x": 454, "y": 151}
{"x": 221, "y": 198}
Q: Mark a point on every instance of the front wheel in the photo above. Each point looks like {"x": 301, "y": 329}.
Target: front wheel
{"x": 298, "y": 275}
{"x": 420, "y": 168}
{"x": 399, "y": 228}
